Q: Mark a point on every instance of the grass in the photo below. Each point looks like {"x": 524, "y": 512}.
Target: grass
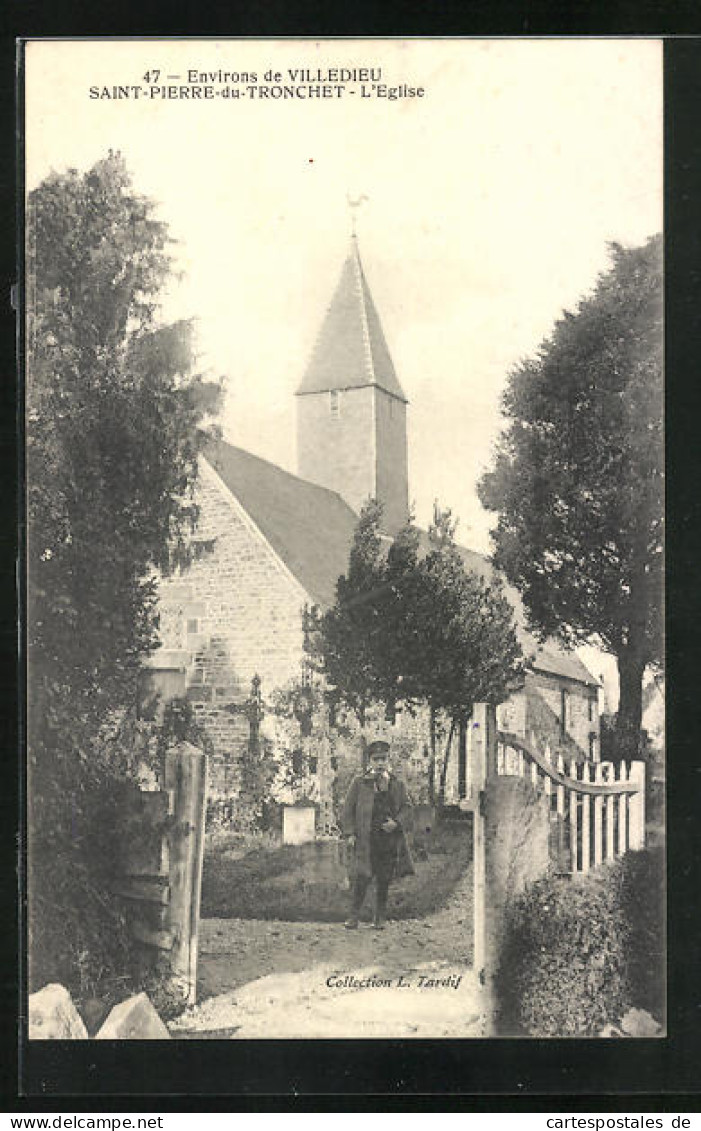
{"x": 307, "y": 883}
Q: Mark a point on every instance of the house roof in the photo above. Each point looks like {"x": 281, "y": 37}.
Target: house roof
{"x": 351, "y": 351}
{"x": 311, "y": 530}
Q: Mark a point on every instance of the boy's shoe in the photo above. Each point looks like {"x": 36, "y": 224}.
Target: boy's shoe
{"x": 378, "y": 923}
{"x": 351, "y": 924}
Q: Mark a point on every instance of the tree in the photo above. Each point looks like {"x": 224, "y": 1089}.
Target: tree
{"x": 411, "y": 626}
{"x": 346, "y": 639}
{"x": 578, "y": 477}
{"x": 116, "y": 416}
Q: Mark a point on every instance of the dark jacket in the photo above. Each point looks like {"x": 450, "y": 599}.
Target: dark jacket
{"x": 357, "y": 816}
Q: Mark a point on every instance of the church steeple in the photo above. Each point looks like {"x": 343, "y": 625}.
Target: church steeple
{"x": 351, "y": 350}
{"x": 351, "y": 408}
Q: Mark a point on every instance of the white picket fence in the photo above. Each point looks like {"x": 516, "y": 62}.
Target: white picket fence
{"x": 599, "y": 808}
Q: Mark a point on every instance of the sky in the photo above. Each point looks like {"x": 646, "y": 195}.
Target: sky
{"x": 491, "y": 200}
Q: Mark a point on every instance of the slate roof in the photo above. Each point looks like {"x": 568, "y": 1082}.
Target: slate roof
{"x": 549, "y": 657}
{"x": 351, "y": 351}
{"x": 309, "y": 527}
{"x": 311, "y": 530}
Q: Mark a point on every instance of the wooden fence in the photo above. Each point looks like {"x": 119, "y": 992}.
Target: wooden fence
{"x": 598, "y": 809}
{"x": 160, "y": 870}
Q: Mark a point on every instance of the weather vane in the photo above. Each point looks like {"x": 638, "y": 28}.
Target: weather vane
{"x": 354, "y": 203}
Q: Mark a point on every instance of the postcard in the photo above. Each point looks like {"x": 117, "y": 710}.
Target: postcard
{"x": 344, "y": 494}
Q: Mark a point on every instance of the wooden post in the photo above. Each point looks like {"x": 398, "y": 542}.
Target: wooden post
{"x": 622, "y": 812}
{"x": 484, "y": 758}
{"x": 574, "y": 864}
{"x": 586, "y": 822}
{"x": 186, "y": 779}
{"x": 598, "y": 821}
{"x": 610, "y": 803}
{"x": 560, "y": 816}
{"x": 636, "y": 832}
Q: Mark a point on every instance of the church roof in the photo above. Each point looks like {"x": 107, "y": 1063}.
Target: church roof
{"x": 351, "y": 351}
{"x": 311, "y": 530}
{"x": 550, "y": 656}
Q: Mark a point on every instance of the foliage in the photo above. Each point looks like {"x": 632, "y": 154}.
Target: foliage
{"x": 180, "y": 725}
{"x": 607, "y": 737}
{"x": 343, "y": 642}
{"x": 116, "y": 417}
{"x": 642, "y": 899}
{"x": 578, "y": 476}
{"x": 257, "y": 771}
{"x": 578, "y": 953}
{"x": 562, "y": 970}
{"x": 77, "y": 933}
{"x": 411, "y": 627}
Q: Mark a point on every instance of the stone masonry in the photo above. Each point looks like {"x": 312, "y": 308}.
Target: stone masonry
{"x": 538, "y": 708}
{"x": 234, "y": 613}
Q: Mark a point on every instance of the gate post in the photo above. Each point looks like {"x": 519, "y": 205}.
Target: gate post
{"x": 484, "y": 756}
{"x": 636, "y": 830}
{"x": 186, "y": 781}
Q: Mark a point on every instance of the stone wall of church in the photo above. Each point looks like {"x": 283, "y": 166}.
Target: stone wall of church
{"x": 234, "y": 613}
{"x": 335, "y": 443}
{"x": 392, "y": 470}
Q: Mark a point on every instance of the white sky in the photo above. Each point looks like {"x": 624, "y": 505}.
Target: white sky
{"x": 491, "y": 203}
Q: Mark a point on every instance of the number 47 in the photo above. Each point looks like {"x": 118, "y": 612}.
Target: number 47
{"x": 151, "y": 76}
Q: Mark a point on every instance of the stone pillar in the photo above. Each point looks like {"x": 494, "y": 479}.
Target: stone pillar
{"x": 516, "y": 833}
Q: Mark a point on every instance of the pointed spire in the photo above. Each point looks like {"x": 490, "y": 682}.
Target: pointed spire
{"x": 351, "y": 350}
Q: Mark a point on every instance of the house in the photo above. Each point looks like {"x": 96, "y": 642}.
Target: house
{"x": 272, "y": 543}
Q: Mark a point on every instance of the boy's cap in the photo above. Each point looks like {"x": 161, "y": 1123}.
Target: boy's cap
{"x": 379, "y": 746}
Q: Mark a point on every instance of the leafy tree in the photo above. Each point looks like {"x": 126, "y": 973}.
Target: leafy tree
{"x": 411, "y": 626}
{"x": 578, "y": 476}
{"x": 346, "y": 640}
{"x": 115, "y": 418}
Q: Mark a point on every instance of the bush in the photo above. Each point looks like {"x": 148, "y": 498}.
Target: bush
{"x": 578, "y": 953}
{"x": 563, "y": 969}
{"x": 78, "y": 825}
{"x": 642, "y": 898}
{"x": 77, "y": 930}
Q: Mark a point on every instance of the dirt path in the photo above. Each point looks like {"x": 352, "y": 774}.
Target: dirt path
{"x": 276, "y": 980}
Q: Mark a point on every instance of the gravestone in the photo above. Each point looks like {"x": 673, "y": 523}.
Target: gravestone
{"x": 298, "y": 824}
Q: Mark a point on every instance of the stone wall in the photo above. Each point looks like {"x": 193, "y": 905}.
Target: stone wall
{"x": 511, "y": 715}
{"x": 579, "y": 737}
{"x": 358, "y": 450}
{"x": 237, "y": 612}
{"x": 338, "y": 450}
{"x": 516, "y": 831}
{"x": 234, "y": 613}
{"x": 392, "y": 474}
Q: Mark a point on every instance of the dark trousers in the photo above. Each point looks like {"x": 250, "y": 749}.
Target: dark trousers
{"x": 383, "y": 855}
{"x": 360, "y": 887}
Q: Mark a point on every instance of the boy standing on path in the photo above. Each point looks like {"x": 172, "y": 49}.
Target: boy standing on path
{"x": 375, "y": 819}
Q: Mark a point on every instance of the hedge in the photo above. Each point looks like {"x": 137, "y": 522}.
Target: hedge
{"x": 578, "y": 952}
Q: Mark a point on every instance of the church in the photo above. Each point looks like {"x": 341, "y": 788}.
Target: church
{"x": 270, "y": 543}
